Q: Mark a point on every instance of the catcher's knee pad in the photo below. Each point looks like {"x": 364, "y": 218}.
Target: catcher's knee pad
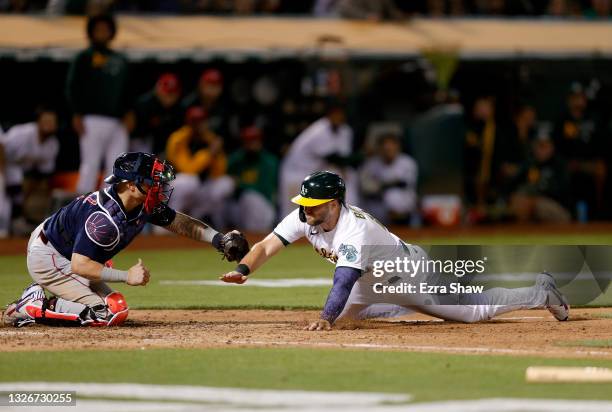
{"x": 117, "y": 308}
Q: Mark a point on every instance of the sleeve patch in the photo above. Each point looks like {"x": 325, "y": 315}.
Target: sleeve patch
{"x": 101, "y": 230}
{"x": 349, "y": 252}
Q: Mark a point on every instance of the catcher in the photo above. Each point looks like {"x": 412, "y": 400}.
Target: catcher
{"x": 68, "y": 253}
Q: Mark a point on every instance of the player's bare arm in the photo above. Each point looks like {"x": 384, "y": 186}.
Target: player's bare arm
{"x": 258, "y": 255}
{"x": 137, "y": 275}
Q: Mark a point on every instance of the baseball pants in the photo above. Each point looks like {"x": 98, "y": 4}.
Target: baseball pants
{"x": 105, "y": 138}
{"x": 197, "y": 198}
{"x": 52, "y": 271}
{"x": 253, "y": 212}
{"x": 467, "y": 307}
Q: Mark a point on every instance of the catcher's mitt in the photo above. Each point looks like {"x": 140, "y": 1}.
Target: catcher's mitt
{"x": 233, "y": 246}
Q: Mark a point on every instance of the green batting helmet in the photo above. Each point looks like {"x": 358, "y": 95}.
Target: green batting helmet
{"x": 319, "y": 188}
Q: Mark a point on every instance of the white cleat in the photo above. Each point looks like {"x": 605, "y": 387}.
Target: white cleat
{"x": 556, "y": 303}
{"x": 16, "y": 314}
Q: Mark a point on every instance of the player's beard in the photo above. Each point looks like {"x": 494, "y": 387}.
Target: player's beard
{"x": 317, "y": 220}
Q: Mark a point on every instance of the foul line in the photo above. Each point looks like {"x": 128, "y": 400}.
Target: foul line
{"x": 229, "y": 396}
{"x": 263, "y": 283}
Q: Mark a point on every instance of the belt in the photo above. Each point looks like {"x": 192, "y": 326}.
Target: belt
{"x": 42, "y": 237}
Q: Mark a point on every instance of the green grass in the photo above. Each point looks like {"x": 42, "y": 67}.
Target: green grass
{"x": 602, "y": 315}
{"x": 426, "y": 376}
{"x": 590, "y": 343}
{"x": 205, "y": 264}
{"x": 296, "y": 261}
{"x": 423, "y": 375}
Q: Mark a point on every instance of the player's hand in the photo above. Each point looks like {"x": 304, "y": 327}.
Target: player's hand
{"x": 78, "y": 125}
{"x": 138, "y": 275}
{"x": 320, "y": 324}
{"x": 234, "y": 277}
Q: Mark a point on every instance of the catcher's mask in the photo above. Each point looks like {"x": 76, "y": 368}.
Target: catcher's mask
{"x": 319, "y": 188}
{"x": 145, "y": 168}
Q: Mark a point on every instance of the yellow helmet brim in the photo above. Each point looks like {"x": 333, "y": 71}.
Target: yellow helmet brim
{"x": 306, "y": 201}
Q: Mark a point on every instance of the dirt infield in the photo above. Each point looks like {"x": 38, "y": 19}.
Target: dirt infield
{"x": 521, "y": 333}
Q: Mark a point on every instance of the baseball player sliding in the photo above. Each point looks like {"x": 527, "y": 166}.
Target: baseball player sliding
{"x": 67, "y": 253}
{"x": 338, "y": 232}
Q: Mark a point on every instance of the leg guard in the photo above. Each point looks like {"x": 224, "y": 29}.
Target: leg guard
{"x": 113, "y": 313}
{"x": 43, "y": 314}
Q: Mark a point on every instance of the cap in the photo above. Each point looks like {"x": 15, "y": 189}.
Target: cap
{"x": 251, "y": 133}
{"x": 169, "y": 83}
{"x": 212, "y": 76}
{"x": 195, "y": 114}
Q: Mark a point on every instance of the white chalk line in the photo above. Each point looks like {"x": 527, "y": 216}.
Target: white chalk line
{"x": 232, "y": 399}
{"x": 416, "y": 348}
{"x": 263, "y": 283}
{"x": 480, "y": 405}
{"x": 317, "y": 282}
{"x": 212, "y": 395}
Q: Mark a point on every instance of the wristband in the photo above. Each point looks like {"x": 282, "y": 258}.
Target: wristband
{"x": 243, "y": 269}
{"x": 113, "y": 275}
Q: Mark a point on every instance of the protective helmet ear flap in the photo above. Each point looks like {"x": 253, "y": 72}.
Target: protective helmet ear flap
{"x": 302, "y": 214}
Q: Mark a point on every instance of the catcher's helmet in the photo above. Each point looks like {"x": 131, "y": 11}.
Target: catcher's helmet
{"x": 145, "y": 168}
{"x": 138, "y": 167}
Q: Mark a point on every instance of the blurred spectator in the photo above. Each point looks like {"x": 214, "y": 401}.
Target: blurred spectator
{"x": 22, "y": 6}
{"x": 479, "y": 152}
{"x": 564, "y": 8}
{"x": 578, "y": 139}
{"x": 325, "y": 144}
{"x": 97, "y": 93}
{"x": 234, "y": 7}
{"x": 325, "y": 8}
{"x": 599, "y": 9}
{"x": 543, "y": 186}
{"x": 388, "y": 182}
{"x": 208, "y": 96}
{"x": 29, "y": 150}
{"x": 157, "y": 114}
{"x": 5, "y": 203}
{"x": 490, "y": 7}
{"x": 81, "y": 7}
{"x": 372, "y": 10}
{"x": 514, "y": 146}
{"x": 201, "y": 186}
{"x": 256, "y": 173}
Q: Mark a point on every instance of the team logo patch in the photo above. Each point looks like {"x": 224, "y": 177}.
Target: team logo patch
{"x": 349, "y": 252}
{"x": 101, "y": 230}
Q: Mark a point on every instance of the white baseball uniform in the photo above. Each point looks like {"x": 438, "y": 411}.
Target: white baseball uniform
{"x": 307, "y": 155}
{"x": 358, "y": 239}
{"x": 23, "y": 152}
{"x": 105, "y": 138}
{"x": 403, "y": 169}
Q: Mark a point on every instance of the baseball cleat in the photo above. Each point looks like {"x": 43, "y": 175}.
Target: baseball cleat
{"x": 20, "y": 312}
{"x": 556, "y": 303}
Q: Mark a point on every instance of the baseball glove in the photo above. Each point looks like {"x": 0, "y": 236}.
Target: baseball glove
{"x": 233, "y": 246}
